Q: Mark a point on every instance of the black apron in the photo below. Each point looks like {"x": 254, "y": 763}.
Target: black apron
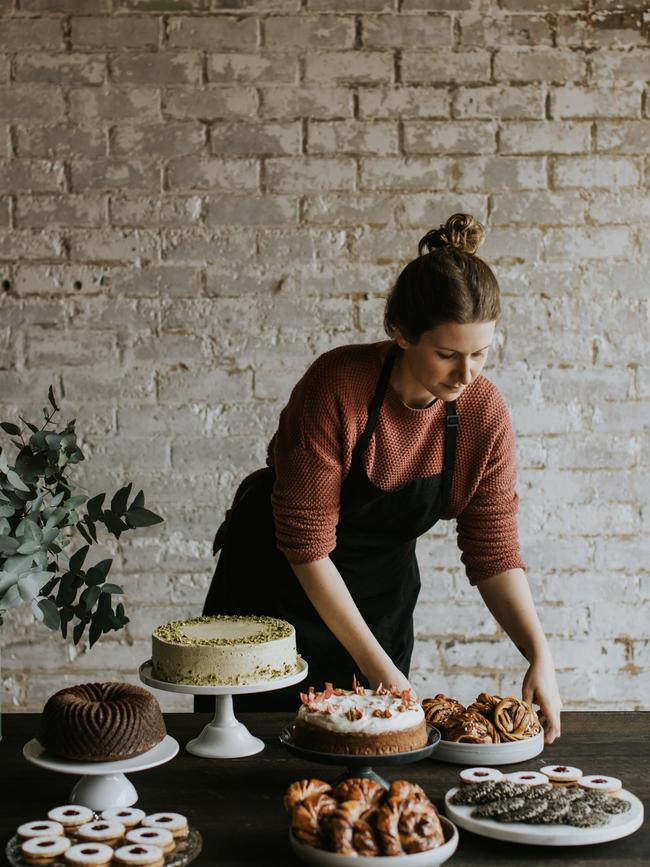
{"x": 375, "y": 554}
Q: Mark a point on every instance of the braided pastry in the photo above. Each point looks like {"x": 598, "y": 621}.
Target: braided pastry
{"x": 309, "y": 818}
{"x": 515, "y": 719}
{"x": 471, "y": 728}
{"x": 359, "y": 789}
{"x": 345, "y": 818}
{"x": 484, "y": 703}
{"x": 405, "y": 826}
{"x": 439, "y": 708}
{"x": 402, "y": 789}
{"x": 302, "y": 789}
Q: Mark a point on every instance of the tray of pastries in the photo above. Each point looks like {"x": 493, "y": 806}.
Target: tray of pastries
{"x": 490, "y": 729}
{"x": 75, "y": 836}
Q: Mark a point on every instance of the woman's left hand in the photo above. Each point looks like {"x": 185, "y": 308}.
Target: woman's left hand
{"x": 540, "y": 688}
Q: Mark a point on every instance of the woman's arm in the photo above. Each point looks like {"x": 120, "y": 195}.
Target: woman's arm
{"x": 508, "y": 597}
{"x": 328, "y": 593}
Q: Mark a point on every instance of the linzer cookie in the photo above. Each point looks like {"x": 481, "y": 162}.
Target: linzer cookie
{"x": 128, "y": 816}
{"x": 39, "y": 828}
{"x": 41, "y": 850}
{"x": 160, "y": 837}
{"x": 562, "y": 775}
{"x": 89, "y": 855}
{"x": 137, "y": 854}
{"x": 174, "y": 822}
{"x": 71, "y": 816}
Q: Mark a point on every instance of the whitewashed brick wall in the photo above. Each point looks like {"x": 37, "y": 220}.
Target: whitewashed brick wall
{"x": 197, "y": 197}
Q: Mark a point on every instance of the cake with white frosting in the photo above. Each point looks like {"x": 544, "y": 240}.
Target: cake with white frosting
{"x": 360, "y": 721}
{"x": 224, "y": 650}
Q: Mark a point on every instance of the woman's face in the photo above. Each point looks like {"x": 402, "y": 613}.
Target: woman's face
{"x": 443, "y": 362}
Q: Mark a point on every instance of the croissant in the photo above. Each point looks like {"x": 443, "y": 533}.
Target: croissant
{"x": 484, "y": 703}
{"x": 302, "y": 789}
{"x": 472, "y": 728}
{"x": 308, "y": 819}
{"x": 405, "y": 826}
{"x": 439, "y": 708}
{"x": 515, "y": 719}
{"x": 359, "y": 789}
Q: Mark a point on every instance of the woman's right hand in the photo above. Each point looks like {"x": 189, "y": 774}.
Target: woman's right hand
{"x": 388, "y": 674}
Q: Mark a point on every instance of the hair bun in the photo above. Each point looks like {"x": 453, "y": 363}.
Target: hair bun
{"x": 461, "y": 231}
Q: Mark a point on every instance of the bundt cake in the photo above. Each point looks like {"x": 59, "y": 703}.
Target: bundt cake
{"x": 101, "y": 722}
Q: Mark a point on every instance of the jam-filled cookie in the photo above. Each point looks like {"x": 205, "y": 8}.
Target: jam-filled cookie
{"x": 89, "y": 855}
{"x": 174, "y": 822}
{"x": 140, "y": 855}
{"x": 562, "y": 775}
{"x": 101, "y": 831}
{"x": 471, "y": 776}
{"x": 39, "y": 828}
{"x": 71, "y": 816}
{"x": 40, "y": 850}
{"x": 160, "y": 837}
{"x": 601, "y": 783}
{"x": 128, "y": 816}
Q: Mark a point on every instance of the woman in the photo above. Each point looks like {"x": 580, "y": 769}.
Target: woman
{"x": 376, "y": 444}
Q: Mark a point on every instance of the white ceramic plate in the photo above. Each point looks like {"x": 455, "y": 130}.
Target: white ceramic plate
{"x": 36, "y": 753}
{"x": 431, "y": 858}
{"x": 549, "y": 835}
{"x": 489, "y": 754}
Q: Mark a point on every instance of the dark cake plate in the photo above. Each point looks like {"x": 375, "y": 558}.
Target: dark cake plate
{"x": 361, "y": 766}
{"x": 102, "y": 784}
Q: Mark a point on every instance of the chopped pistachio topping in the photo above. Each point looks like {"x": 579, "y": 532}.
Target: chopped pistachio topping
{"x": 261, "y": 673}
{"x": 173, "y": 633}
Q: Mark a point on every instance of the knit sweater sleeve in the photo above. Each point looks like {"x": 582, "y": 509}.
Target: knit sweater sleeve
{"x": 487, "y": 525}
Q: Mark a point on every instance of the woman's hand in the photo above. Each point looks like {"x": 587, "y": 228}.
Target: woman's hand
{"x": 388, "y": 674}
{"x": 540, "y": 687}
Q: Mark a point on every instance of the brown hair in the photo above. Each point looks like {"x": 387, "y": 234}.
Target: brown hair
{"x": 448, "y": 282}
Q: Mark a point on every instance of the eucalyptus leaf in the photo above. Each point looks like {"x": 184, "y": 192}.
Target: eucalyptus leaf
{"x": 138, "y": 517}
{"x": 6, "y": 510}
{"x": 15, "y": 480}
{"x": 11, "y": 598}
{"x": 7, "y": 579}
{"x": 29, "y": 586}
{"x": 119, "y": 501}
{"x": 10, "y": 428}
{"x": 29, "y": 547}
{"x": 112, "y": 589}
{"x": 4, "y": 466}
{"x": 8, "y": 545}
{"x": 51, "y": 398}
{"x": 77, "y": 559}
{"x": 97, "y": 573}
{"x": 89, "y": 597}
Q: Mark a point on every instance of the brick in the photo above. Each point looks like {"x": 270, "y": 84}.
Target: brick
{"x": 210, "y": 103}
{"x": 328, "y": 67}
{"x": 350, "y": 5}
{"x": 318, "y": 31}
{"x": 251, "y": 211}
{"x": 159, "y": 5}
{"x": 632, "y": 137}
{"x": 495, "y": 31}
{"x": 66, "y": 349}
{"x": 348, "y": 209}
{"x": 508, "y": 103}
{"x": 622, "y": 65}
{"x": 493, "y": 174}
{"x": 404, "y": 31}
{"x": 60, "y": 141}
{"x": 5, "y": 213}
{"x": 39, "y": 176}
{"x": 421, "y": 102}
{"x": 181, "y": 386}
{"x": 539, "y": 64}
{"x": 256, "y": 5}
{"x": 441, "y": 5}
{"x": 161, "y": 68}
{"x": 154, "y": 211}
{"x": 300, "y": 246}
{"x": 121, "y": 245}
{"x": 446, "y": 67}
{"x": 60, "y": 68}
{"x": 385, "y": 246}
{"x": 266, "y": 68}
{"x": 227, "y": 175}
{"x": 230, "y": 139}
{"x": 313, "y": 102}
{"x": 31, "y": 102}
{"x": 229, "y": 283}
{"x": 124, "y": 32}
{"x": 595, "y": 102}
{"x": 5, "y": 63}
{"x": 30, "y": 245}
{"x": 192, "y": 247}
{"x": 604, "y": 29}
{"x": 161, "y": 140}
{"x": 544, "y": 5}
{"x": 166, "y": 280}
{"x": 213, "y": 33}
{"x": 115, "y": 104}
{"x": 465, "y": 137}
{"x": 29, "y": 33}
{"x": 427, "y": 210}
{"x": 620, "y": 207}
{"x": 350, "y": 137}
{"x": 595, "y": 172}
{"x": 538, "y": 137}
{"x": 547, "y": 208}
{"x": 507, "y": 243}
{"x": 98, "y": 7}
{"x": 114, "y": 175}
{"x": 43, "y": 211}
{"x": 410, "y": 173}
{"x": 291, "y": 176}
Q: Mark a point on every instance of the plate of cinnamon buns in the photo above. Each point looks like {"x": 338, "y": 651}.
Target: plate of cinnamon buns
{"x": 490, "y": 729}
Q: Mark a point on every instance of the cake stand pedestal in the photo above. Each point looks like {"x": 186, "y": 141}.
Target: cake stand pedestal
{"x": 361, "y": 766}
{"x": 103, "y": 784}
{"x": 224, "y": 737}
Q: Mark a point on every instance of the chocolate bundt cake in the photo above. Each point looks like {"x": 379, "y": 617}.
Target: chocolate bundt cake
{"x": 101, "y": 722}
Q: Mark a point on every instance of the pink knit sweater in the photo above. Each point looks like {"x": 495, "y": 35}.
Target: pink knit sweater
{"x": 311, "y": 452}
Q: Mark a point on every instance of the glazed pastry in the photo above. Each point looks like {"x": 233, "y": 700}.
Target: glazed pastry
{"x": 515, "y": 719}
{"x": 471, "y": 776}
{"x": 562, "y": 775}
{"x": 137, "y": 854}
{"x": 159, "y": 837}
{"x": 359, "y": 789}
{"x": 438, "y": 709}
{"x": 298, "y": 791}
{"x": 485, "y": 704}
{"x": 601, "y": 783}
{"x": 403, "y": 789}
{"x": 527, "y": 778}
{"x": 406, "y": 826}
{"x": 39, "y": 828}
{"x": 309, "y": 818}
{"x": 471, "y": 728}
{"x": 40, "y": 850}
{"x": 174, "y": 822}
{"x": 128, "y": 816}
{"x": 101, "y": 831}
{"x": 71, "y": 816}
{"x": 89, "y": 855}
{"x": 344, "y": 820}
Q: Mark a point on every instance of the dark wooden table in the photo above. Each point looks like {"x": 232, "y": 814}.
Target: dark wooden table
{"x": 237, "y": 804}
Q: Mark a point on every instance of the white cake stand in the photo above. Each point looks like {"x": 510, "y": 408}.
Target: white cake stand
{"x": 103, "y": 784}
{"x": 224, "y": 737}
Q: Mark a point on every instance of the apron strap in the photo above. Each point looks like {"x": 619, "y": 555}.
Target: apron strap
{"x": 451, "y": 433}
{"x": 377, "y": 401}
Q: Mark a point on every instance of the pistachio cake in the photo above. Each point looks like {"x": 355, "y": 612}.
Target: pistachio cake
{"x": 224, "y": 650}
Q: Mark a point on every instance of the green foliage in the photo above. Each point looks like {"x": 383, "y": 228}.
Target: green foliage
{"x": 39, "y": 517}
